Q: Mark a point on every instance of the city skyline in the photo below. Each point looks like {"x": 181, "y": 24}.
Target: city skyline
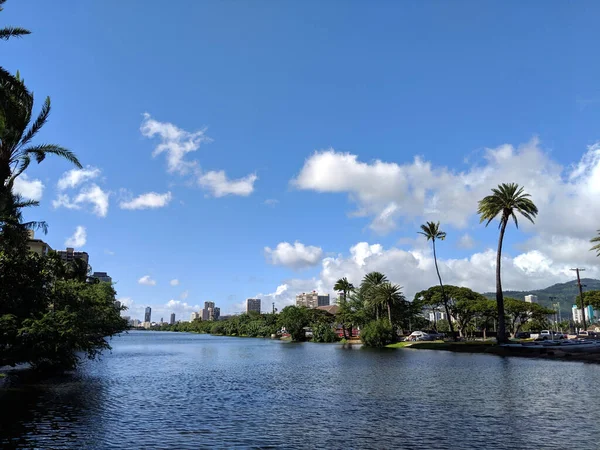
{"x": 302, "y": 153}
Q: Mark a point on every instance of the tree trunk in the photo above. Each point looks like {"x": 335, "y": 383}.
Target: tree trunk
{"x": 389, "y": 308}
{"x": 501, "y": 333}
{"x": 444, "y": 299}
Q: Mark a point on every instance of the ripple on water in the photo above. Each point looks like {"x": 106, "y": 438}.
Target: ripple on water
{"x": 179, "y": 391}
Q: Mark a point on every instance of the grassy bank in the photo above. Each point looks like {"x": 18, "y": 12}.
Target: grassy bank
{"x": 471, "y": 346}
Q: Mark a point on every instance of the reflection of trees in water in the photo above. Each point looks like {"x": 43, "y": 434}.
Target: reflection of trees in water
{"x": 42, "y": 414}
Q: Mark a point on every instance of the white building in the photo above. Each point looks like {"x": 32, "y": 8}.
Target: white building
{"x": 312, "y": 299}
{"x": 439, "y": 315}
{"x": 195, "y": 315}
{"x": 591, "y": 315}
{"x": 531, "y": 298}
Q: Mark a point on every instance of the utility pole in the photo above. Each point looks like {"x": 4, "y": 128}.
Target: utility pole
{"x": 273, "y": 307}
{"x": 556, "y": 306}
{"x": 581, "y": 295}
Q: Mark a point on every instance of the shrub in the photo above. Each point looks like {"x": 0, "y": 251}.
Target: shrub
{"x": 378, "y": 333}
{"x": 217, "y": 328}
{"x": 323, "y": 333}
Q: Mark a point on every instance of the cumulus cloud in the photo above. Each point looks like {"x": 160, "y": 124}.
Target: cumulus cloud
{"x": 92, "y": 195}
{"x": 174, "y": 282}
{"x": 296, "y": 256}
{"x": 78, "y": 239}
{"x": 219, "y": 185}
{"x": 147, "y": 280}
{"x": 389, "y": 191}
{"x": 181, "y": 309}
{"x": 27, "y": 188}
{"x": 75, "y": 177}
{"x": 146, "y": 201}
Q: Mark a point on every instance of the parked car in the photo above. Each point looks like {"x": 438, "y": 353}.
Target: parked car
{"x": 523, "y": 335}
{"x": 550, "y": 335}
{"x": 435, "y": 335}
{"x": 586, "y": 334}
{"x": 419, "y": 336}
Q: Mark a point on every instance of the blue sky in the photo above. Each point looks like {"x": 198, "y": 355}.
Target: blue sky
{"x": 304, "y": 120}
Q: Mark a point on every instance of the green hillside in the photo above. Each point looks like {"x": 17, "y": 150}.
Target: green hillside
{"x": 565, "y": 294}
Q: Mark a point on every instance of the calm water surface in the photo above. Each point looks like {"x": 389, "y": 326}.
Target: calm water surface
{"x": 186, "y": 391}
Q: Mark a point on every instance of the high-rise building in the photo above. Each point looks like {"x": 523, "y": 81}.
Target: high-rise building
{"x": 216, "y": 313}
{"x": 253, "y": 304}
{"x": 531, "y": 298}
{"x": 208, "y": 311}
{"x": 312, "y": 299}
{"x": 37, "y": 245}
{"x": 172, "y": 321}
{"x": 148, "y": 314}
{"x": 590, "y": 314}
{"x": 70, "y": 255}
{"x": 195, "y": 315}
{"x": 102, "y": 276}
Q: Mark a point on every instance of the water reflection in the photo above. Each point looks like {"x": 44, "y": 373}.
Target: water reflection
{"x": 167, "y": 390}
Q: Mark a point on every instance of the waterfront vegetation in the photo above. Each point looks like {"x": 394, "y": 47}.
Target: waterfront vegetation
{"x": 49, "y": 311}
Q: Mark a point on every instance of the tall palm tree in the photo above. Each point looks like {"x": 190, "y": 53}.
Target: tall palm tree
{"x": 596, "y": 247}
{"x": 368, "y": 289}
{"x": 431, "y": 230}
{"x": 344, "y": 286}
{"x": 390, "y": 295}
{"x": 78, "y": 270}
{"x": 506, "y": 200}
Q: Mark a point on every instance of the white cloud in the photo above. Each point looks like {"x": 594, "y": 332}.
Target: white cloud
{"x": 109, "y": 252}
{"x": 184, "y": 295}
{"x": 181, "y": 309}
{"x": 296, "y": 256}
{"x": 219, "y": 185}
{"x": 174, "y": 141}
{"x": 148, "y": 200}
{"x": 174, "y": 282}
{"x": 92, "y": 194}
{"x": 271, "y": 202}
{"x": 466, "y": 241}
{"x": 74, "y": 177}
{"x": 389, "y": 191}
{"x": 78, "y": 239}
{"x": 147, "y": 280}
{"x": 27, "y": 188}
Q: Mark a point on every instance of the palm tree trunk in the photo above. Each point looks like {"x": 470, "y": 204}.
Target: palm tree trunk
{"x": 389, "y": 308}
{"x": 501, "y": 332}
{"x": 445, "y": 300}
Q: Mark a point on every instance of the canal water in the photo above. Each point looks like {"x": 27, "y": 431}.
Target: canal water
{"x": 187, "y": 391}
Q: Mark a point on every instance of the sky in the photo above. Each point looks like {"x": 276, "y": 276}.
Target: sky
{"x": 239, "y": 149}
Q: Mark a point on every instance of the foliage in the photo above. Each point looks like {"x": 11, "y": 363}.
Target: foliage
{"x": 377, "y": 333}
{"x": 520, "y": 312}
{"x": 323, "y": 332}
{"x": 505, "y": 201}
{"x": 596, "y": 240}
{"x": 592, "y": 298}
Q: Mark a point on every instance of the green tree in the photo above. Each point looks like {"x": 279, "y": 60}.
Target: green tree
{"x": 505, "y": 201}
{"x": 431, "y": 231}
{"x": 592, "y": 298}
{"x": 345, "y": 287}
{"x": 368, "y": 289}
{"x": 8, "y": 32}
{"x": 323, "y": 332}
{"x": 377, "y": 333}
{"x": 390, "y": 295}
{"x": 294, "y": 319}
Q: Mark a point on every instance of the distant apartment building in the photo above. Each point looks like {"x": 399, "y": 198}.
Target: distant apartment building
{"x": 253, "y": 304}
{"x": 439, "y": 315}
{"x": 194, "y": 316}
{"x": 172, "y": 321}
{"x": 148, "y": 314}
{"x": 37, "y": 245}
{"x": 531, "y": 298}
{"x": 70, "y": 255}
{"x": 209, "y": 312}
{"x": 591, "y": 315}
{"x": 102, "y": 276}
{"x": 312, "y": 299}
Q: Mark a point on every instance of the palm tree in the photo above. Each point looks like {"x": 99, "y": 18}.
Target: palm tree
{"x": 78, "y": 270}
{"x": 345, "y": 287}
{"x": 8, "y": 32}
{"x": 596, "y": 247}
{"x": 368, "y": 289}
{"x": 431, "y": 231}
{"x": 17, "y": 131}
{"x": 506, "y": 200}
{"x": 390, "y": 295}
